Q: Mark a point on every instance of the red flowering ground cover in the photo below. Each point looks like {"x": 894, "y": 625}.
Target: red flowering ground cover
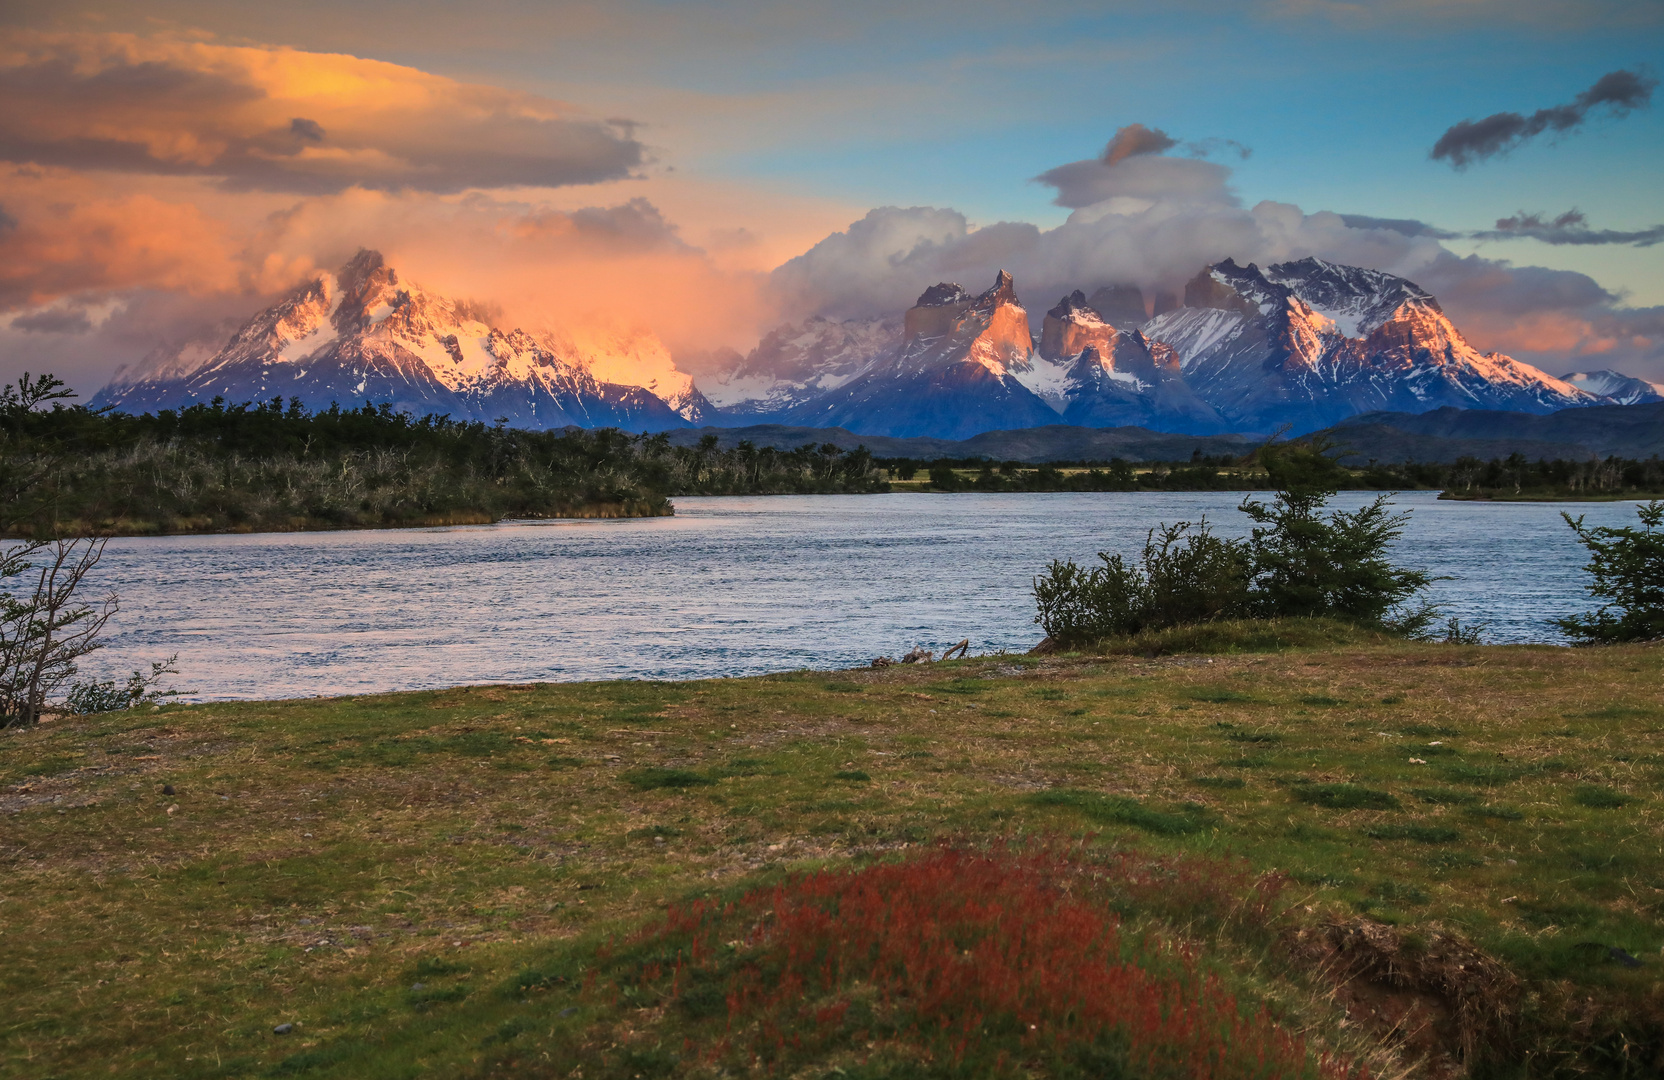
{"x": 959, "y": 963}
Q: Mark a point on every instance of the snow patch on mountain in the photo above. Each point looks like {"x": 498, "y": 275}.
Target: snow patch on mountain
{"x": 1195, "y": 332}
{"x": 1047, "y": 379}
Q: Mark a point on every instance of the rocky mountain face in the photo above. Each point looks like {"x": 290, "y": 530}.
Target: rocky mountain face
{"x": 961, "y": 368}
{"x": 1116, "y": 377}
{"x": 1310, "y": 343}
{"x": 365, "y": 335}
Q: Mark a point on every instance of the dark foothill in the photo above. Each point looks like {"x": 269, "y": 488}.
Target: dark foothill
{"x": 283, "y": 1029}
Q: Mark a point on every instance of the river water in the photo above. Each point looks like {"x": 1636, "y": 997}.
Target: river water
{"x": 729, "y": 586}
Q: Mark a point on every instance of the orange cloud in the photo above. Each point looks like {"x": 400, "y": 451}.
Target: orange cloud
{"x": 282, "y": 119}
{"x": 56, "y": 243}
{"x": 597, "y": 269}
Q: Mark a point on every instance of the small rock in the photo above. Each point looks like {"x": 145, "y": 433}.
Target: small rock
{"x": 167, "y": 789}
{"x": 1622, "y": 956}
{"x": 419, "y": 986}
{"x": 173, "y": 809}
{"x": 283, "y": 1029}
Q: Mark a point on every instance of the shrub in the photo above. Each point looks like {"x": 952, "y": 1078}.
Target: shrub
{"x": 1185, "y": 577}
{"x": 1296, "y": 563}
{"x": 961, "y": 963}
{"x": 85, "y": 699}
{"x": 1306, "y": 565}
{"x": 1627, "y": 565}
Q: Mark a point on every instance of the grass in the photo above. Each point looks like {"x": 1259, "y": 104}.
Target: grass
{"x": 321, "y": 859}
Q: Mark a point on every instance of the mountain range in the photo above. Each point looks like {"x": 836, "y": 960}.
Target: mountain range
{"x": 1297, "y": 346}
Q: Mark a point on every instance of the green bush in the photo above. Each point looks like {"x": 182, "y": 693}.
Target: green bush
{"x": 1186, "y": 577}
{"x": 1309, "y": 565}
{"x": 1296, "y": 564}
{"x": 1627, "y": 565}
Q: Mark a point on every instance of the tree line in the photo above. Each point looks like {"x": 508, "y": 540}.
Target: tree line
{"x": 1513, "y": 477}
{"x": 270, "y": 466}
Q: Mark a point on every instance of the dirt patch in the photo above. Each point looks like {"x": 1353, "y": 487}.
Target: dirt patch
{"x": 1433, "y": 996}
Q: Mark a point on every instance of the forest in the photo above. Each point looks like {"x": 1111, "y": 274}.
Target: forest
{"x": 270, "y": 466}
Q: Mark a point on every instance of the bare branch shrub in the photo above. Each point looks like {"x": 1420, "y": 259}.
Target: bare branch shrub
{"x": 44, "y": 629}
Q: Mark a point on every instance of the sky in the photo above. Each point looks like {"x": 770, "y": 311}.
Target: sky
{"x": 705, "y": 171}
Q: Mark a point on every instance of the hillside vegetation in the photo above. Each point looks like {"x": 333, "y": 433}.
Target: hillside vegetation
{"x": 1437, "y": 858}
{"x": 1512, "y": 478}
{"x": 271, "y": 467}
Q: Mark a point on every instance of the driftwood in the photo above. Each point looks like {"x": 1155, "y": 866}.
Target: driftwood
{"x": 882, "y": 661}
{"x": 918, "y": 656}
{"x": 963, "y": 649}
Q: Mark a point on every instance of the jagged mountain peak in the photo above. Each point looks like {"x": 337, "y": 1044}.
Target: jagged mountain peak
{"x": 1358, "y": 300}
{"x": 943, "y": 294}
{"x": 1073, "y": 325}
{"x": 1003, "y": 291}
{"x": 1242, "y": 289}
{"x": 1072, "y": 305}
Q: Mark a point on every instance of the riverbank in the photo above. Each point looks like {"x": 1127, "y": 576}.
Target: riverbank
{"x": 179, "y": 883}
{"x": 212, "y": 525}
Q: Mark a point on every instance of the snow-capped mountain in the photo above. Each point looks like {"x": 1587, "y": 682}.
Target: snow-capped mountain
{"x": 1115, "y": 377}
{"x": 364, "y": 335}
{"x": 1615, "y": 386}
{"x": 797, "y": 362}
{"x": 1309, "y": 343}
{"x": 1300, "y": 344}
{"x": 965, "y": 365}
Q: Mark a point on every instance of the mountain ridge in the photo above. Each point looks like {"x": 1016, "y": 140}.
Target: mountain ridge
{"x": 1299, "y": 346}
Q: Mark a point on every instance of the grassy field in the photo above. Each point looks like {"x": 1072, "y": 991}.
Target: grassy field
{"x": 1455, "y": 854}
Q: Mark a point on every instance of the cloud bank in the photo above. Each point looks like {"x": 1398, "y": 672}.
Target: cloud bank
{"x": 1618, "y": 92}
{"x": 275, "y": 119}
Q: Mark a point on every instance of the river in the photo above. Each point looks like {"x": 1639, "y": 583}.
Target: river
{"x": 729, "y": 586}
